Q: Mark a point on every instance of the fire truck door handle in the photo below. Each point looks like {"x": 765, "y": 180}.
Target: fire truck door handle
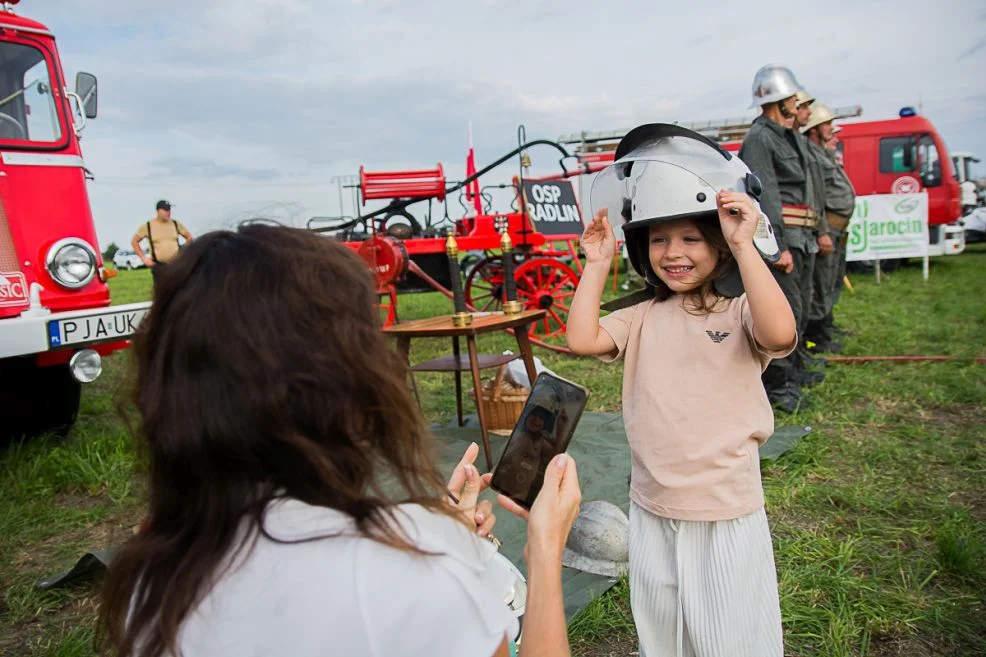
{"x": 81, "y": 114}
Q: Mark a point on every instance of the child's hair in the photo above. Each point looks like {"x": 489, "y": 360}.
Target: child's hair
{"x": 705, "y": 299}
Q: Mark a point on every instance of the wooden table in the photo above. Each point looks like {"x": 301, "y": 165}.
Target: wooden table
{"x": 442, "y": 327}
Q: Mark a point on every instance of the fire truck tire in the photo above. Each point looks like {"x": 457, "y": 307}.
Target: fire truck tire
{"x": 892, "y": 264}
{"x": 37, "y": 400}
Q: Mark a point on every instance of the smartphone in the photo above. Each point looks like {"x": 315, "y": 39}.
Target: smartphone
{"x": 544, "y": 429}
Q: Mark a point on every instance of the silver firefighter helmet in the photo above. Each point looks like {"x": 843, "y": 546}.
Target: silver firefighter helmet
{"x": 599, "y": 542}
{"x": 773, "y": 83}
{"x": 664, "y": 173}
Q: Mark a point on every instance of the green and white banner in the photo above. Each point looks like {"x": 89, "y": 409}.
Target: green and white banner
{"x": 887, "y": 226}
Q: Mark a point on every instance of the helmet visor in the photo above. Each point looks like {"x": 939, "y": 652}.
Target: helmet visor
{"x": 643, "y": 188}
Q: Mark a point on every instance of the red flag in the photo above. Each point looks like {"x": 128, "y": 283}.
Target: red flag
{"x": 472, "y": 189}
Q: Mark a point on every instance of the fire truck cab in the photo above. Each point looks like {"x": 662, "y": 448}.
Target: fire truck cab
{"x": 907, "y": 155}
{"x": 55, "y": 320}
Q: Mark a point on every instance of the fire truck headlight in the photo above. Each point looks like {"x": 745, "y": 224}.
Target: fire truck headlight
{"x": 86, "y": 366}
{"x": 71, "y": 262}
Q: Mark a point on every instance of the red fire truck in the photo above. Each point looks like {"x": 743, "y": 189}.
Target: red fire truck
{"x": 907, "y": 155}
{"x": 895, "y": 156}
{"x": 55, "y": 319}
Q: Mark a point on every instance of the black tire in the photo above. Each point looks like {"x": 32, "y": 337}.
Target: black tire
{"x": 892, "y": 265}
{"x": 404, "y": 228}
{"x": 36, "y": 400}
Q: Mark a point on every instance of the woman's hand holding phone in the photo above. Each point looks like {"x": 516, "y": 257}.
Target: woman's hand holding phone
{"x": 554, "y": 511}
{"x": 548, "y": 524}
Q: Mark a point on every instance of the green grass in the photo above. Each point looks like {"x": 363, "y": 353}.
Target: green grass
{"x": 878, "y": 516}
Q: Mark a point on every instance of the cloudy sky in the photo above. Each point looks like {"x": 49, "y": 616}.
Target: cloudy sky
{"x": 239, "y": 108}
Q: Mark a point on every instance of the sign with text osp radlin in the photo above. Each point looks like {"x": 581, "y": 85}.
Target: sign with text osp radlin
{"x": 552, "y": 208}
{"x": 887, "y": 226}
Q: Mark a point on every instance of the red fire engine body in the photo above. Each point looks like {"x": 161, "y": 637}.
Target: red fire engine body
{"x": 55, "y": 324}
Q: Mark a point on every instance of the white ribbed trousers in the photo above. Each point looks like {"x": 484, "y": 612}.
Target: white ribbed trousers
{"x": 704, "y": 588}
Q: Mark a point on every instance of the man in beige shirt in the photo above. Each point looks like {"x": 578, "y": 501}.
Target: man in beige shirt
{"x": 162, "y": 233}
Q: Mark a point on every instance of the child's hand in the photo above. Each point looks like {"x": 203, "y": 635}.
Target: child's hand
{"x": 598, "y": 242}
{"x": 738, "y": 217}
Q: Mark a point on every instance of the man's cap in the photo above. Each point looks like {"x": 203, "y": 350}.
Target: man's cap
{"x": 163, "y": 205}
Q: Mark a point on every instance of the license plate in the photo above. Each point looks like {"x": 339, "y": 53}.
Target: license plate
{"x": 94, "y": 328}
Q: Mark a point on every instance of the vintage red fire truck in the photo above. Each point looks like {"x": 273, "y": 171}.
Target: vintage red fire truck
{"x": 55, "y": 319}
{"x": 895, "y": 156}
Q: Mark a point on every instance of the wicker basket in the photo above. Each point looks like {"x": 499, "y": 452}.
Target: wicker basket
{"x": 502, "y": 402}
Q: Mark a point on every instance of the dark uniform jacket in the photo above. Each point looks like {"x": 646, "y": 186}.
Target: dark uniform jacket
{"x": 776, "y": 155}
{"x": 817, "y": 160}
{"x": 840, "y": 196}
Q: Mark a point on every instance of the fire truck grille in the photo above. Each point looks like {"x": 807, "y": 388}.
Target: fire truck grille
{"x": 8, "y": 256}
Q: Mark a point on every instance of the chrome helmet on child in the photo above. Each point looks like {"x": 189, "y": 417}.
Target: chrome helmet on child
{"x": 664, "y": 173}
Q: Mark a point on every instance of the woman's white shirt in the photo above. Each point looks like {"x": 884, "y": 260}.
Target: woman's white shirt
{"x": 351, "y": 596}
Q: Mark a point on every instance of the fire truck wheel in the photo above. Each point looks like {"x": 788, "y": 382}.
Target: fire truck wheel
{"x": 484, "y": 285}
{"x": 892, "y": 264}
{"x": 37, "y": 400}
{"x": 547, "y": 284}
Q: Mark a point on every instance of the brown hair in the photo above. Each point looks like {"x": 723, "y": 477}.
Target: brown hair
{"x": 706, "y": 299}
{"x": 261, "y": 372}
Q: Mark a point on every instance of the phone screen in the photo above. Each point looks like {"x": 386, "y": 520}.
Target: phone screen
{"x": 544, "y": 429}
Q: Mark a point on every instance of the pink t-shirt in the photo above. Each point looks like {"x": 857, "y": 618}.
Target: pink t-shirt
{"x": 694, "y": 407}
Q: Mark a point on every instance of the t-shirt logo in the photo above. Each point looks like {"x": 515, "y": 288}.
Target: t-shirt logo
{"x": 718, "y": 336}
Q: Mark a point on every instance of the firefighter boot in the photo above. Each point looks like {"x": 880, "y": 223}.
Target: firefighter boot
{"x": 782, "y": 389}
{"x": 802, "y": 375}
{"x": 818, "y": 333}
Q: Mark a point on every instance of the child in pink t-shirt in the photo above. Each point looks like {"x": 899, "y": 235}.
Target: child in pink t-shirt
{"x": 702, "y": 576}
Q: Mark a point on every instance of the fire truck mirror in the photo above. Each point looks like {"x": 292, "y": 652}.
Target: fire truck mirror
{"x": 85, "y": 87}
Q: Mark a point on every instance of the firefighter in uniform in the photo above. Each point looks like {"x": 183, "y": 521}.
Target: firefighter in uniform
{"x": 777, "y": 155}
{"x": 840, "y": 201}
{"x": 817, "y": 161}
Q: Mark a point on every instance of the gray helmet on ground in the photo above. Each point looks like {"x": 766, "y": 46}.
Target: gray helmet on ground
{"x": 664, "y": 173}
{"x": 773, "y": 83}
{"x": 599, "y": 542}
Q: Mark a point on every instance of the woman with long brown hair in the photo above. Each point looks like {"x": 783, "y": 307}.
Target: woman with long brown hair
{"x": 295, "y": 507}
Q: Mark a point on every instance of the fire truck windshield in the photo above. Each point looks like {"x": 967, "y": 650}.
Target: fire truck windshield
{"x": 28, "y": 108}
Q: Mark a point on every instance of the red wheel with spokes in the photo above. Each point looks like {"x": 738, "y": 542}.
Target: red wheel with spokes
{"x": 546, "y": 284}
{"x": 484, "y": 285}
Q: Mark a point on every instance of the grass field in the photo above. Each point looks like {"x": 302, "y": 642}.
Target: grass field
{"x": 878, "y": 516}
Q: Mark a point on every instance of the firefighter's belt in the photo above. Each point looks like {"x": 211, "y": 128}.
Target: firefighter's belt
{"x": 799, "y": 216}
{"x": 838, "y": 221}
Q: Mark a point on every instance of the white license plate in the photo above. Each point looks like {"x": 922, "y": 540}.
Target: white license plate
{"x": 94, "y": 328}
